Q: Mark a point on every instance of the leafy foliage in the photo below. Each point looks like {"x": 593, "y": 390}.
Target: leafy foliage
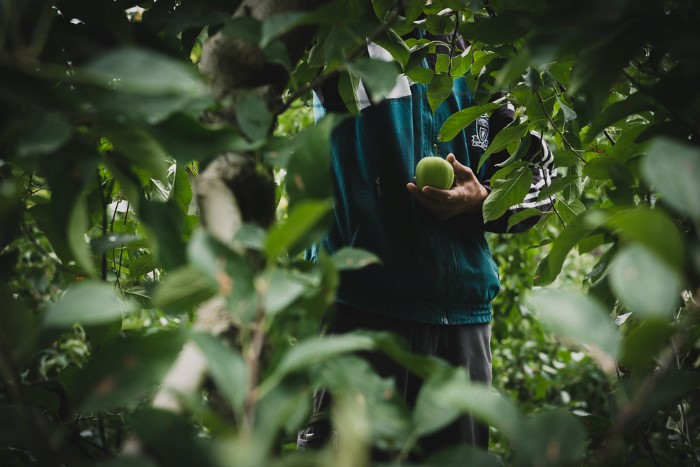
{"x": 104, "y": 264}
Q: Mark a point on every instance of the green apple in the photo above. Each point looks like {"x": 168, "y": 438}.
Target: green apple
{"x": 434, "y": 171}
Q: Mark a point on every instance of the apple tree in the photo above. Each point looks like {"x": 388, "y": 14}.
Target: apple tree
{"x": 160, "y": 179}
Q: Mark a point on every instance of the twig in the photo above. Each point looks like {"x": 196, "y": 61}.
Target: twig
{"x": 252, "y": 358}
{"x": 103, "y": 265}
{"x": 609, "y": 137}
{"x": 452, "y": 44}
{"x": 549, "y": 119}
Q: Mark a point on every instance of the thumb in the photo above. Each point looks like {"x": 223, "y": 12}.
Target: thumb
{"x": 461, "y": 171}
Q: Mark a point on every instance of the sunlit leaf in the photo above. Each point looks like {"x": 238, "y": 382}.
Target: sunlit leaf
{"x": 306, "y": 223}
{"x": 644, "y": 283}
{"x": 87, "y": 303}
{"x": 282, "y": 288}
{"x": 183, "y": 289}
{"x": 577, "y": 318}
{"x": 140, "y": 71}
{"x": 377, "y": 75}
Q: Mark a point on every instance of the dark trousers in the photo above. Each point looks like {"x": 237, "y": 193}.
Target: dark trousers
{"x": 467, "y": 346}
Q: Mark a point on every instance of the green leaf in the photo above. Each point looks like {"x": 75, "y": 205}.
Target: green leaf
{"x": 140, "y": 149}
{"x": 245, "y": 28}
{"x": 644, "y": 283}
{"x": 462, "y": 119}
{"x": 420, "y": 74}
{"x": 227, "y": 268}
{"x": 226, "y": 367}
{"x": 169, "y": 437}
{"x": 634, "y": 104}
{"x": 508, "y": 188}
{"x": 550, "y": 267}
{"x": 186, "y": 139}
{"x": 166, "y": 223}
{"x": 520, "y": 152}
{"x": 19, "y": 331}
{"x": 354, "y": 258}
{"x": 347, "y": 86}
{"x": 504, "y": 137}
{"x": 565, "y": 158}
{"x": 251, "y": 236}
{"x": 385, "y": 414}
{"x": 553, "y": 434}
{"x": 253, "y": 117}
{"x": 643, "y": 344}
{"x": 671, "y": 168}
{"x": 523, "y": 215}
{"x": 181, "y": 193}
{"x": 279, "y": 24}
{"x": 78, "y": 225}
{"x": 313, "y": 351}
{"x": 569, "y": 211}
{"x": 558, "y": 185}
{"x": 282, "y": 288}
{"x": 502, "y": 29}
{"x": 182, "y": 290}
{"x": 308, "y": 169}
{"x": 47, "y": 132}
{"x": 655, "y": 230}
{"x": 378, "y": 76}
{"x": 126, "y": 370}
{"x": 447, "y": 394}
{"x": 395, "y": 45}
{"x": 141, "y": 265}
{"x": 306, "y": 223}
{"x": 141, "y": 71}
{"x": 577, "y": 318}
{"x": 439, "y": 89}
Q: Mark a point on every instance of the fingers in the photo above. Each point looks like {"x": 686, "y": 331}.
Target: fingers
{"x": 440, "y": 209}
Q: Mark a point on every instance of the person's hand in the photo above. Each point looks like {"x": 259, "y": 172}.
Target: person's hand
{"x": 467, "y": 195}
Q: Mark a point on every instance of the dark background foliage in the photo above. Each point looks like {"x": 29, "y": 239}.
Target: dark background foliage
{"x": 106, "y": 126}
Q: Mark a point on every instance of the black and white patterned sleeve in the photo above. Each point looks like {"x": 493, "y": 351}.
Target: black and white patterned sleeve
{"x": 543, "y": 174}
{"x": 541, "y": 162}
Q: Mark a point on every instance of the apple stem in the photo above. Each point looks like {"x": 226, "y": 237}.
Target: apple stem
{"x": 435, "y": 149}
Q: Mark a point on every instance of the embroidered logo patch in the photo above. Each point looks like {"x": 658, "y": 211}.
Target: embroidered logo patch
{"x": 481, "y": 137}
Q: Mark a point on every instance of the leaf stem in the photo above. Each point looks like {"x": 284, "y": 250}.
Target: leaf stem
{"x": 551, "y": 122}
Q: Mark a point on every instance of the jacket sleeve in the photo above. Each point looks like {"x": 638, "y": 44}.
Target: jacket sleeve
{"x": 543, "y": 174}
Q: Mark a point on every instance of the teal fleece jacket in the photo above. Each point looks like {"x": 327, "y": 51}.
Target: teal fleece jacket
{"x": 431, "y": 270}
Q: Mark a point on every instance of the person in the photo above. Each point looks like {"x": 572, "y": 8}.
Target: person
{"x": 437, "y": 278}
